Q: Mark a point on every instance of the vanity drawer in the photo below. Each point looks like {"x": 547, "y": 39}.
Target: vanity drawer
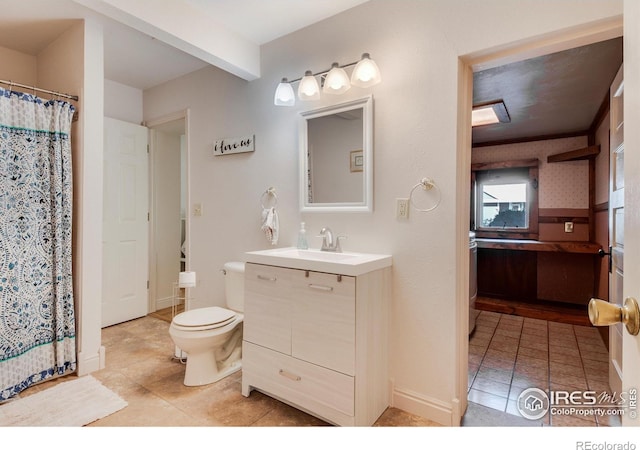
{"x": 306, "y": 385}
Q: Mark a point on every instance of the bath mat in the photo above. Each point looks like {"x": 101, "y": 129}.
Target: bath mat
{"x": 70, "y": 404}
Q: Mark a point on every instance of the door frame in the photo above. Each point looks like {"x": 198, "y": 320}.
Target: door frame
{"x": 151, "y": 124}
{"x": 536, "y": 46}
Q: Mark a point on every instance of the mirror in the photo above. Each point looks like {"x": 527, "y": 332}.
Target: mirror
{"x": 336, "y": 157}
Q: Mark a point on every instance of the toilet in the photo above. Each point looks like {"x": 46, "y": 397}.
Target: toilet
{"x": 212, "y": 337}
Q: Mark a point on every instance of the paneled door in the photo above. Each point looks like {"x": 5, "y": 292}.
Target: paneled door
{"x": 616, "y": 225}
{"x": 125, "y": 245}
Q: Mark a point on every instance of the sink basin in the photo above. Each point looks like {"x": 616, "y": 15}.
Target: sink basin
{"x": 315, "y": 254}
{"x": 344, "y": 263}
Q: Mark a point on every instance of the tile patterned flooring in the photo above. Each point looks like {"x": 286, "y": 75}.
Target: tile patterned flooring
{"x": 508, "y": 354}
{"x": 140, "y": 368}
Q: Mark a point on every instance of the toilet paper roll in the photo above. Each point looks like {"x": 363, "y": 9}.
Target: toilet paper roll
{"x": 187, "y": 279}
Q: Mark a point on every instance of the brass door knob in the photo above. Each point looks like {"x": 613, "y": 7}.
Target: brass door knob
{"x": 603, "y": 313}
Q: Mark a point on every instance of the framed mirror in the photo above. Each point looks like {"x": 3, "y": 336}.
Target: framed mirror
{"x": 336, "y": 157}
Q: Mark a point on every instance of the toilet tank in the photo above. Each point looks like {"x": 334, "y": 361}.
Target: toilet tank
{"x": 234, "y": 285}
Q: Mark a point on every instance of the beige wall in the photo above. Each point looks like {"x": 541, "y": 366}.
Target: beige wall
{"x": 18, "y": 67}
{"x": 562, "y": 185}
{"x": 166, "y": 210}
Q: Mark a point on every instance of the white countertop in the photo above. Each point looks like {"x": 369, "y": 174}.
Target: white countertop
{"x": 343, "y": 263}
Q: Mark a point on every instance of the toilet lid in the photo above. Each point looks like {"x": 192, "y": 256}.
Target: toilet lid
{"x": 212, "y": 317}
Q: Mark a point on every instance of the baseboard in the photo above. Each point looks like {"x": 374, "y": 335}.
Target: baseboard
{"x": 426, "y": 407}
{"x": 91, "y": 363}
{"x": 166, "y": 302}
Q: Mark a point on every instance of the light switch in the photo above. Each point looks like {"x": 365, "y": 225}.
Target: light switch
{"x": 568, "y": 227}
{"x": 197, "y": 209}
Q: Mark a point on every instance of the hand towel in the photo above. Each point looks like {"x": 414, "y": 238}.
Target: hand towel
{"x": 270, "y": 224}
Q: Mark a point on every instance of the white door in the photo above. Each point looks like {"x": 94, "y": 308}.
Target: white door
{"x": 624, "y": 348}
{"x": 125, "y": 222}
{"x": 616, "y": 225}
{"x": 631, "y": 344}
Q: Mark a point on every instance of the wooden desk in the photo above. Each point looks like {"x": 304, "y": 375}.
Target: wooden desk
{"x": 530, "y": 271}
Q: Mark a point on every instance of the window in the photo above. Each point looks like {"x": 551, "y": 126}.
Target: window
{"x": 505, "y": 200}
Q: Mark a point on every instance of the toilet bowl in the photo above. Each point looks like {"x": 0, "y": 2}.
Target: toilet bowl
{"x": 212, "y": 336}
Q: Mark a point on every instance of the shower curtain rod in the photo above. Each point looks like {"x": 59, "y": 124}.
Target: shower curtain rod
{"x": 33, "y": 88}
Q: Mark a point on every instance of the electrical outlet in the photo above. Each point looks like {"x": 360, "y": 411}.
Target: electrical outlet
{"x": 568, "y": 227}
{"x": 402, "y": 208}
{"x": 197, "y": 209}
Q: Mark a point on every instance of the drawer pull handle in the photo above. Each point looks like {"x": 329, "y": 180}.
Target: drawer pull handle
{"x": 320, "y": 287}
{"x": 262, "y": 277}
{"x": 290, "y": 376}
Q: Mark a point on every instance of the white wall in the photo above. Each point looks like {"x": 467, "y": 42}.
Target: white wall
{"x": 122, "y": 102}
{"x": 417, "y": 45}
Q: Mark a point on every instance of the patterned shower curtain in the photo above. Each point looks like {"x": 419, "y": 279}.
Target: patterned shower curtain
{"x": 37, "y": 320}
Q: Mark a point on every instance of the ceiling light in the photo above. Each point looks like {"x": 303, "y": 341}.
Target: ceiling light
{"x": 284, "y": 95}
{"x": 489, "y": 113}
{"x": 308, "y": 88}
{"x": 334, "y": 81}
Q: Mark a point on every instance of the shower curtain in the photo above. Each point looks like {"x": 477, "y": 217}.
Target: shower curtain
{"x": 37, "y": 320}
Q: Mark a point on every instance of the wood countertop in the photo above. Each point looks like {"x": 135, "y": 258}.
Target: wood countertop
{"x": 539, "y": 246}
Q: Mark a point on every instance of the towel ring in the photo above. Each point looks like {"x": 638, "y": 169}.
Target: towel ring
{"x": 426, "y": 184}
{"x": 271, "y": 192}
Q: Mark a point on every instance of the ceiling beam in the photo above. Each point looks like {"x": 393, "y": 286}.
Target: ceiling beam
{"x": 179, "y": 25}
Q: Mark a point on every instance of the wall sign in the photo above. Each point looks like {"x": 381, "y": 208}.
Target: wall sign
{"x": 234, "y": 145}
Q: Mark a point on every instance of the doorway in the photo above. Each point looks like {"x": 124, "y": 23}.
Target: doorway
{"x": 543, "y": 47}
{"x": 168, "y": 212}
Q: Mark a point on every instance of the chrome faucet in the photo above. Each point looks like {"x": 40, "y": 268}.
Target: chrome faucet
{"x": 329, "y": 244}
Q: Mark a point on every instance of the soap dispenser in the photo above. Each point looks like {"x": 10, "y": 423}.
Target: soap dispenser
{"x": 302, "y": 238}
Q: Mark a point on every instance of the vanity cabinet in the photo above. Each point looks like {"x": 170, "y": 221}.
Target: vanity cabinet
{"x": 318, "y": 341}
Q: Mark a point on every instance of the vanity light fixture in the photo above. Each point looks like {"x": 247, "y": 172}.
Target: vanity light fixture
{"x": 366, "y": 72}
{"x": 284, "y": 94}
{"x": 308, "y": 88}
{"x": 489, "y": 113}
{"x": 336, "y": 81}
{"x": 333, "y": 81}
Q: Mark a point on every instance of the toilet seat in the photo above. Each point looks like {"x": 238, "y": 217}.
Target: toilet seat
{"x": 200, "y": 319}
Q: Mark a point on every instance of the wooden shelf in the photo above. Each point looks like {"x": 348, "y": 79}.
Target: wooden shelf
{"x": 575, "y": 155}
{"x": 539, "y": 246}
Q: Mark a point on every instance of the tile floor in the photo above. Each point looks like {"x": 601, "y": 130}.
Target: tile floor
{"x": 140, "y": 369}
{"x": 508, "y": 354}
